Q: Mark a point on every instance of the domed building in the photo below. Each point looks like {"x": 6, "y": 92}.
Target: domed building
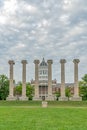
{"x": 43, "y": 71}
{"x": 43, "y": 77}
{"x": 43, "y": 80}
{"x": 45, "y": 87}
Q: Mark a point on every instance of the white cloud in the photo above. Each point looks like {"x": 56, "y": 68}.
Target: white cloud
{"x": 30, "y": 8}
{"x": 20, "y": 45}
{"x": 3, "y": 19}
{"x": 26, "y": 7}
{"x": 64, "y": 19}
{"x": 54, "y": 29}
{"x": 10, "y": 7}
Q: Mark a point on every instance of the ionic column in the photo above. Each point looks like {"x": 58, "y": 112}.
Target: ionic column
{"x": 63, "y": 97}
{"x": 76, "y": 92}
{"x": 24, "y": 97}
{"x": 36, "y": 97}
{"x": 11, "y": 84}
{"x": 50, "y": 96}
{"x": 76, "y": 86}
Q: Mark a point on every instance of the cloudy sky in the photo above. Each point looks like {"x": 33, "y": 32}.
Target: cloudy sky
{"x": 33, "y": 29}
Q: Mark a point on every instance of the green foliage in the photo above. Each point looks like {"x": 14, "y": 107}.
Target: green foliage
{"x": 83, "y": 87}
{"x": 84, "y": 78}
{"x": 4, "y": 87}
{"x": 57, "y": 94}
{"x": 29, "y": 90}
{"x": 68, "y": 92}
{"x": 18, "y": 89}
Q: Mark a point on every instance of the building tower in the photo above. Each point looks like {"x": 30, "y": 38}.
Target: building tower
{"x": 43, "y": 82}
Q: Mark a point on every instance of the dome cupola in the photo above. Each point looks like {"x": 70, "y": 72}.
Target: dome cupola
{"x": 43, "y": 63}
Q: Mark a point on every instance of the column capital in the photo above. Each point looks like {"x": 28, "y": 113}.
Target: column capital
{"x": 24, "y": 61}
{"x": 11, "y": 62}
{"x": 36, "y": 61}
{"x": 76, "y": 61}
{"x": 50, "y": 61}
{"x": 62, "y": 61}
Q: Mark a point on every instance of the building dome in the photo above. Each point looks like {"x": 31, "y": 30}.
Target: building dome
{"x": 43, "y": 70}
{"x": 43, "y": 63}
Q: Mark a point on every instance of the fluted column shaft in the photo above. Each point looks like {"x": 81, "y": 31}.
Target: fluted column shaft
{"x": 62, "y": 61}
{"x": 49, "y": 77}
{"x": 76, "y": 87}
{"x": 24, "y": 62}
{"x": 36, "y": 62}
{"x": 11, "y": 85}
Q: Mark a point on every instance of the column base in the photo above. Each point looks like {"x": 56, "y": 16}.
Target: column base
{"x": 63, "y": 98}
{"x": 76, "y": 98}
{"x": 11, "y": 98}
{"x": 23, "y": 98}
{"x": 50, "y": 98}
{"x": 37, "y": 98}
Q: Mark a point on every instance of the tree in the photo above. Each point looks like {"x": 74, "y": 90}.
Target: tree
{"x": 18, "y": 89}
{"x": 29, "y": 90}
{"x": 83, "y": 87}
{"x": 57, "y": 94}
{"x": 68, "y": 92}
{"x": 84, "y": 78}
{"x": 4, "y": 87}
{"x": 83, "y": 90}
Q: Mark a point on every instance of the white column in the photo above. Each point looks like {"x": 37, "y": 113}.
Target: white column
{"x": 63, "y": 97}
{"x": 76, "y": 96}
{"x": 11, "y": 84}
{"x": 50, "y": 95}
{"x": 24, "y": 97}
{"x": 36, "y": 97}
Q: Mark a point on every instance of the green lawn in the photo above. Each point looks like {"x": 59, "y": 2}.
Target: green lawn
{"x": 50, "y": 103}
{"x": 31, "y": 116}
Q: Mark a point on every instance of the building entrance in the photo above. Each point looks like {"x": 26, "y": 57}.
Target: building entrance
{"x": 43, "y": 92}
{"x": 43, "y": 98}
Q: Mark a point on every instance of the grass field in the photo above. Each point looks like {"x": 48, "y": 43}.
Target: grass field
{"x": 50, "y": 103}
{"x": 31, "y": 116}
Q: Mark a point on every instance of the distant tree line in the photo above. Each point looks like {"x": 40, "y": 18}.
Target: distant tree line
{"x": 4, "y": 89}
{"x": 29, "y": 90}
{"x": 82, "y": 89}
